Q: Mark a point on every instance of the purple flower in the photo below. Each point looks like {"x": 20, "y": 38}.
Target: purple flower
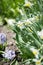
{"x": 2, "y": 38}
{"x": 9, "y": 54}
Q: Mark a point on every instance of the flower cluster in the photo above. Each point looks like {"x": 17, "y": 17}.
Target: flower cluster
{"x": 3, "y": 38}
{"x": 9, "y": 54}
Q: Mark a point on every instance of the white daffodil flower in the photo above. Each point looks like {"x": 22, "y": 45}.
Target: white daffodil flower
{"x": 28, "y": 4}
{"x": 34, "y": 19}
{"x": 27, "y": 22}
{"x": 10, "y": 21}
{"x": 3, "y": 38}
{"x": 20, "y": 24}
{"x": 37, "y": 62}
{"x": 9, "y": 54}
{"x": 35, "y": 52}
{"x": 40, "y": 33}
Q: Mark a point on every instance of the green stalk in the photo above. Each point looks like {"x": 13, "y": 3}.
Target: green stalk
{"x": 2, "y": 52}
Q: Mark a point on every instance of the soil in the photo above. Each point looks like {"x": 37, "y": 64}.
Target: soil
{"x": 9, "y": 34}
{"x": 10, "y": 42}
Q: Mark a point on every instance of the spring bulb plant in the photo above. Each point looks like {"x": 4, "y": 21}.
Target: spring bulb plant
{"x": 25, "y": 17}
{"x": 29, "y": 40}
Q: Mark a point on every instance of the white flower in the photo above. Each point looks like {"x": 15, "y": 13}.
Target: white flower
{"x": 37, "y": 62}
{"x": 27, "y": 22}
{"x": 9, "y": 54}
{"x": 10, "y": 21}
{"x": 35, "y": 52}
{"x": 20, "y": 24}
{"x": 2, "y": 38}
{"x": 34, "y": 19}
{"x": 40, "y": 33}
{"x": 28, "y": 4}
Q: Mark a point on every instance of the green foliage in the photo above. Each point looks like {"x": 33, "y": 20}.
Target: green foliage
{"x": 28, "y": 15}
{"x": 27, "y": 38}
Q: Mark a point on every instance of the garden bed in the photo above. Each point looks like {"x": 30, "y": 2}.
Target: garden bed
{"x": 10, "y": 42}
